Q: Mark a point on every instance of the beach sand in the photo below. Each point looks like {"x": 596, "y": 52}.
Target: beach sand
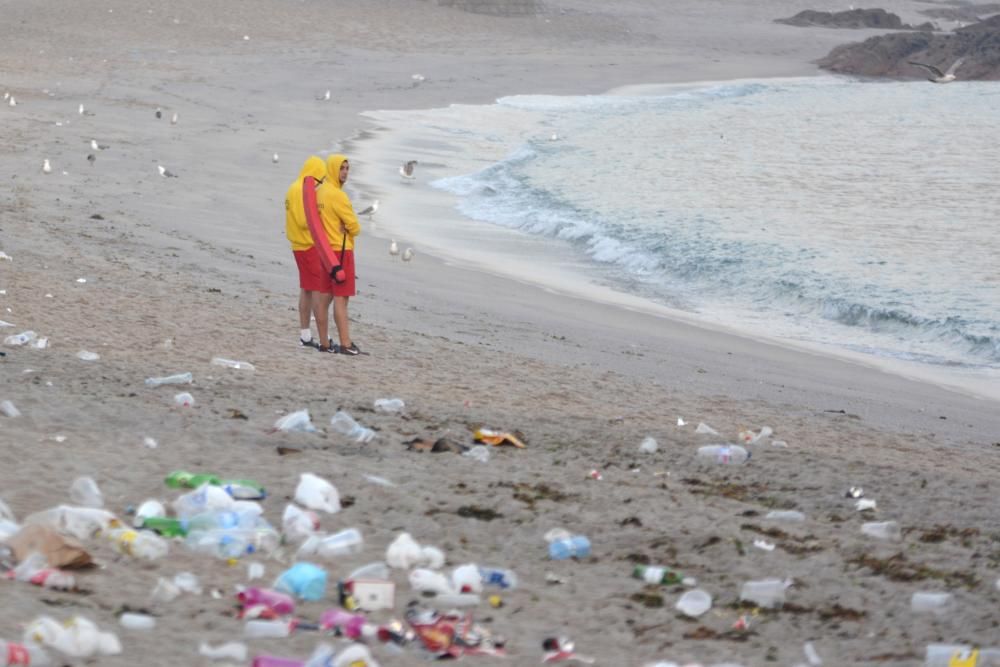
{"x": 181, "y": 270}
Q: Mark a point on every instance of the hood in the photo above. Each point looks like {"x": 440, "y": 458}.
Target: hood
{"x": 313, "y": 167}
{"x": 333, "y": 169}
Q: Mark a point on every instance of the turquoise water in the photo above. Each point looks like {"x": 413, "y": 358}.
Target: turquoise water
{"x": 862, "y": 215}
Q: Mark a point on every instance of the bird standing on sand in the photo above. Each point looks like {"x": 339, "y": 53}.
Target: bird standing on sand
{"x": 159, "y": 112}
{"x": 274, "y": 158}
{"x": 46, "y": 167}
{"x": 393, "y": 248}
{"x": 98, "y": 147}
{"x": 325, "y": 97}
{"x": 370, "y": 210}
{"x": 166, "y": 173}
{"x": 12, "y": 102}
{"x": 417, "y": 79}
{"x": 936, "y": 75}
{"x": 91, "y": 158}
{"x": 406, "y": 171}
{"x": 173, "y": 119}
{"x": 408, "y": 254}
{"x": 81, "y": 110}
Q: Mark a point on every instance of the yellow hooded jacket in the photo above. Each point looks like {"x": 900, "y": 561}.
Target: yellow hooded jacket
{"x": 335, "y": 207}
{"x": 296, "y": 227}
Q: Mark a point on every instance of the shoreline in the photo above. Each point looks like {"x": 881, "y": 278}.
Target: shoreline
{"x": 509, "y": 254}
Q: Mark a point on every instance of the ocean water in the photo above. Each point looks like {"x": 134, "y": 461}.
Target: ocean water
{"x": 854, "y": 215}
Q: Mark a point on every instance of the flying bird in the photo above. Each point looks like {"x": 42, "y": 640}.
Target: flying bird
{"x": 406, "y": 171}
{"x": 46, "y": 167}
{"x": 408, "y": 254}
{"x": 393, "y": 248}
{"x": 173, "y": 119}
{"x": 370, "y": 210}
{"x": 166, "y": 173}
{"x": 936, "y": 75}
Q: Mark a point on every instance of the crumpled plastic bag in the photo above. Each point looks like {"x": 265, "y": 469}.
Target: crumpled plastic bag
{"x": 78, "y": 637}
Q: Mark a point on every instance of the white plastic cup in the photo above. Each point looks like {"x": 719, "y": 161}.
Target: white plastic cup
{"x": 694, "y": 603}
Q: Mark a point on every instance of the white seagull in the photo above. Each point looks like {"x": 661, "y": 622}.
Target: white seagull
{"x": 370, "y": 210}
{"x": 393, "y": 248}
{"x": 98, "y": 147}
{"x": 408, "y": 254}
{"x": 406, "y": 171}
{"x": 325, "y": 97}
{"x": 417, "y": 79}
{"x": 274, "y": 158}
{"x": 166, "y": 173}
{"x": 936, "y": 75}
{"x": 81, "y": 109}
{"x": 12, "y": 102}
{"x": 173, "y": 119}
{"x": 46, "y": 167}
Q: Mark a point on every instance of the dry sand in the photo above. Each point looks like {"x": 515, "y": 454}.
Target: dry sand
{"x": 200, "y": 261}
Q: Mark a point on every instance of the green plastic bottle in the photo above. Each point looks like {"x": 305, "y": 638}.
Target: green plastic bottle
{"x": 166, "y": 526}
{"x": 187, "y": 480}
{"x": 655, "y": 574}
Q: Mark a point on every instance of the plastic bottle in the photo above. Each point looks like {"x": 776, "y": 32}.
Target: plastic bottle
{"x": 785, "y": 515}
{"x": 139, "y": 545}
{"x": 179, "y": 378}
{"x": 137, "y": 621}
{"x": 496, "y": 576}
{"x": 656, "y": 574}
{"x": 219, "y": 543}
{"x": 295, "y": 422}
{"x": 938, "y": 604}
{"x": 376, "y": 570}
{"x": 180, "y": 479}
{"x": 236, "y": 651}
{"x": 724, "y": 454}
{"x": 883, "y": 530}
{"x": 85, "y": 492}
{"x": 230, "y": 363}
{"x": 80, "y": 522}
{"x": 467, "y": 579}
{"x": 184, "y": 399}
{"x": 298, "y": 524}
{"x": 19, "y": 654}
{"x": 344, "y": 424}
{"x": 9, "y": 409}
{"x": 166, "y": 526}
{"x": 344, "y": 543}
{"x": 35, "y": 570}
{"x": 206, "y": 498}
{"x": 257, "y": 629}
{"x": 766, "y": 593}
{"x": 577, "y": 546}
{"x": 275, "y": 661}
{"x": 21, "y": 338}
{"x": 391, "y": 405}
{"x": 279, "y": 603}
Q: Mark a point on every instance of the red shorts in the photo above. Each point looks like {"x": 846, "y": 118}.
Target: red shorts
{"x": 311, "y": 275}
{"x": 346, "y": 288}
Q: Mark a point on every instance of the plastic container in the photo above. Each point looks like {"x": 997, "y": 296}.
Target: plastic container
{"x": 785, "y": 515}
{"x": 21, "y": 338}
{"x": 766, "y": 593}
{"x": 391, "y": 405}
{"x": 882, "y": 530}
{"x": 279, "y": 603}
{"x": 184, "y": 400}
{"x": 344, "y": 424}
{"x": 577, "y": 546}
{"x": 85, "y": 492}
{"x": 230, "y": 363}
{"x": 137, "y": 621}
{"x": 657, "y": 574}
{"x": 938, "y": 604}
{"x": 723, "y": 454}
{"x": 303, "y": 580}
{"x": 496, "y": 576}
{"x": 295, "y": 422}
{"x": 19, "y": 654}
{"x": 694, "y": 603}
{"x": 139, "y": 545}
{"x": 257, "y": 629}
{"x": 179, "y": 378}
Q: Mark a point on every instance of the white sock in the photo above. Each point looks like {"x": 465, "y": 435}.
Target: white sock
{"x": 306, "y": 335}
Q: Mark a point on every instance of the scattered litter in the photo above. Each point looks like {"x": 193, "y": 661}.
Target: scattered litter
{"x": 391, "y": 405}
{"x": 748, "y": 437}
{"x": 865, "y": 505}
{"x": 705, "y": 429}
{"x": 149, "y": 442}
{"x": 480, "y": 453}
{"x": 303, "y": 580}
{"x": 5, "y": 256}
{"x": 316, "y": 493}
{"x": 811, "y": 655}
{"x": 681, "y": 422}
{"x": 20, "y": 339}
{"x": 132, "y": 621}
{"x": 779, "y": 443}
{"x": 255, "y": 571}
{"x": 85, "y": 492}
{"x": 766, "y": 593}
{"x": 785, "y": 515}
{"x": 343, "y": 423}
{"x": 883, "y": 530}
{"x": 577, "y": 546}
{"x": 87, "y": 356}
{"x": 179, "y": 378}
{"x": 55, "y": 550}
{"x": 648, "y": 445}
{"x": 855, "y": 492}
{"x": 81, "y": 280}
{"x": 939, "y": 604}
{"x": 235, "y": 651}
{"x": 381, "y": 481}
{"x": 78, "y": 637}
{"x": 723, "y": 454}
{"x": 656, "y": 574}
{"x": 497, "y": 438}
{"x": 595, "y": 475}
{"x": 9, "y": 409}
{"x": 694, "y": 603}
{"x": 184, "y": 399}
{"x": 295, "y": 422}
{"x": 230, "y": 363}
{"x": 763, "y": 544}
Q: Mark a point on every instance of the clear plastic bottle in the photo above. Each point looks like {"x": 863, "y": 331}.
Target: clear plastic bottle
{"x": 223, "y": 544}
{"x": 231, "y": 363}
{"x": 883, "y": 530}
{"x": 656, "y": 574}
{"x": 724, "y": 454}
{"x": 344, "y": 424}
{"x": 85, "y": 492}
{"x": 21, "y": 338}
{"x": 391, "y": 405}
{"x": 577, "y": 546}
{"x": 295, "y": 422}
{"x": 21, "y": 655}
{"x": 376, "y": 570}
{"x": 139, "y": 545}
{"x": 8, "y": 409}
{"x": 257, "y": 629}
{"x": 132, "y": 621}
{"x": 344, "y": 543}
{"x": 179, "y": 378}
{"x": 497, "y": 576}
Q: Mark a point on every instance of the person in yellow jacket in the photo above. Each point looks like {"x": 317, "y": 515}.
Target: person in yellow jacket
{"x": 341, "y": 225}
{"x": 315, "y": 292}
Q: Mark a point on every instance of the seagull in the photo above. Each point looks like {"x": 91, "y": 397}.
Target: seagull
{"x": 370, "y": 210}
{"x": 81, "y": 109}
{"x": 393, "y": 248}
{"x": 937, "y": 75}
{"x": 6, "y": 94}
{"x": 325, "y": 97}
{"x": 274, "y": 158}
{"x": 159, "y": 112}
{"x": 98, "y": 147}
{"x": 408, "y": 254}
{"x": 12, "y": 102}
{"x": 406, "y": 171}
{"x": 554, "y": 137}
{"x": 417, "y": 79}
{"x": 91, "y": 158}
{"x": 165, "y": 172}
{"x": 46, "y": 167}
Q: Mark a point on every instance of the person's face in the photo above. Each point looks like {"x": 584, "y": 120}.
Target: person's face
{"x": 344, "y": 169}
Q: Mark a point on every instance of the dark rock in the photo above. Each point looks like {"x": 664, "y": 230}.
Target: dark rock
{"x": 887, "y": 55}
{"x": 965, "y": 13}
{"x": 853, "y": 18}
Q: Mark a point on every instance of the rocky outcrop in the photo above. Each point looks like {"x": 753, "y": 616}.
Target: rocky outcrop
{"x": 886, "y": 55}
{"x": 963, "y": 13}
{"x": 853, "y": 18}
